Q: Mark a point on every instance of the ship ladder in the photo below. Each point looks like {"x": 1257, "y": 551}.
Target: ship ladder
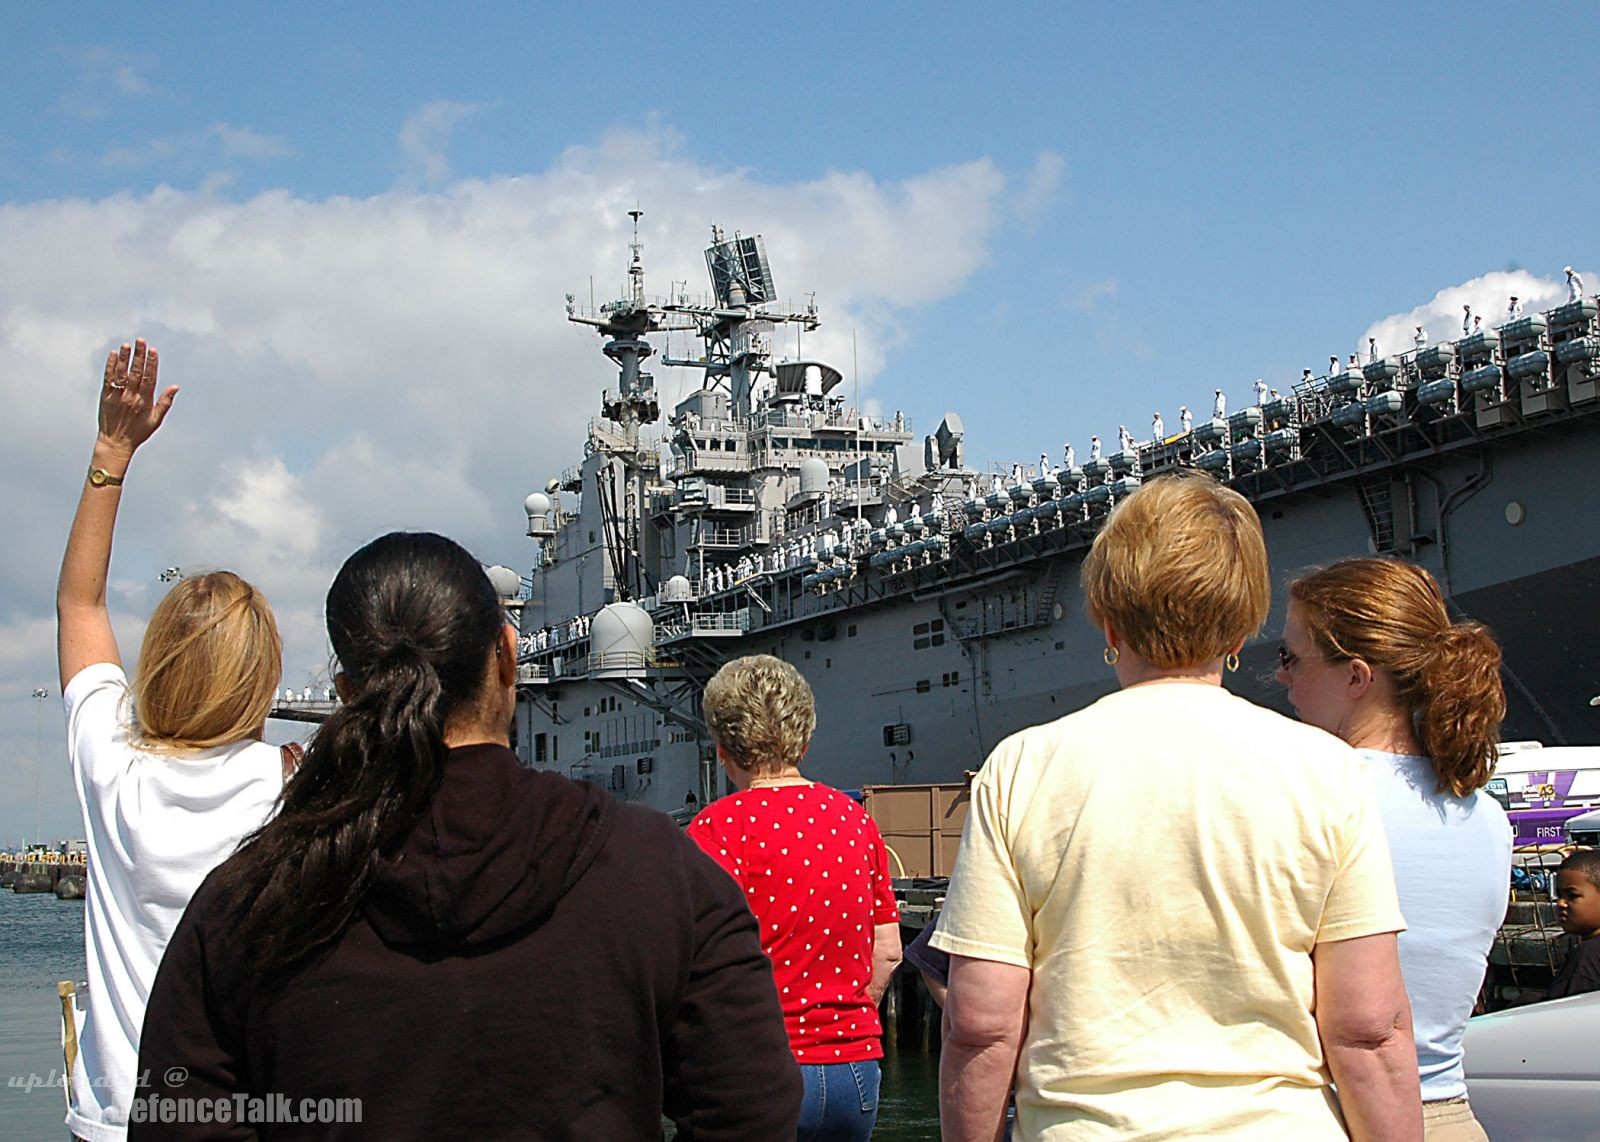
{"x": 1377, "y": 505}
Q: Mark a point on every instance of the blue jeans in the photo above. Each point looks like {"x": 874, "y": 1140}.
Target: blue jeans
{"x": 840, "y": 1103}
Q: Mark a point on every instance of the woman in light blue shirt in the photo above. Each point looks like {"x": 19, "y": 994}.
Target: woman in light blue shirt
{"x": 1369, "y": 653}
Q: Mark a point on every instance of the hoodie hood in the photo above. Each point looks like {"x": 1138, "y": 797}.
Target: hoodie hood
{"x": 496, "y": 850}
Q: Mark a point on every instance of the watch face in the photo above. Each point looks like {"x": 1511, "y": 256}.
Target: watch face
{"x": 97, "y": 477}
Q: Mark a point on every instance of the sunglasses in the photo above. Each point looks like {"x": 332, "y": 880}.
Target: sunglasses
{"x": 1286, "y": 657}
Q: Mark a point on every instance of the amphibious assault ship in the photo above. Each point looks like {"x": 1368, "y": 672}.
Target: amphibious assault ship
{"x": 934, "y": 606}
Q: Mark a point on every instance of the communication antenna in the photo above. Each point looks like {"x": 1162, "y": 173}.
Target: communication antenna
{"x": 855, "y": 370}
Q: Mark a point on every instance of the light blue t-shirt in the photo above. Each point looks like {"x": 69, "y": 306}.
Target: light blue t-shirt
{"x": 1452, "y": 867}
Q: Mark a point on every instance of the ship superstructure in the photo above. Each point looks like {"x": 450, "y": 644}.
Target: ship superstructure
{"x": 934, "y": 607}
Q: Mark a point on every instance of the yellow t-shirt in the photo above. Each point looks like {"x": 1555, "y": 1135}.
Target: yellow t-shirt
{"x": 1163, "y": 863}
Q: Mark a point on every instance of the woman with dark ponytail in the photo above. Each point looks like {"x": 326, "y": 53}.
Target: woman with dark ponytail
{"x": 468, "y": 947}
{"x": 1369, "y": 653}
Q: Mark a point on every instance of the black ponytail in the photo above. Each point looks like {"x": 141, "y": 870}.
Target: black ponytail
{"x": 412, "y": 618}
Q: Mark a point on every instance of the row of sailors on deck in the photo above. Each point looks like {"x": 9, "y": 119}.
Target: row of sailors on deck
{"x": 570, "y": 631}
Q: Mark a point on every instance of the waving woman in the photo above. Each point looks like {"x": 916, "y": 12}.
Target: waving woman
{"x": 169, "y": 767}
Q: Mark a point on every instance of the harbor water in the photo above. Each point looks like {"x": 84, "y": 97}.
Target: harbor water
{"x": 41, "y": 943}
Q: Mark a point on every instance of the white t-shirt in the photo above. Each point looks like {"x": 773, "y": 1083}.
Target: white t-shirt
{"x": 156, "y": 826}
{"x": 1452, "y": 866}
{"x": 1163, "y": 863}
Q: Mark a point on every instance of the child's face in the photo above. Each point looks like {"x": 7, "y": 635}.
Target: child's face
{"x": 1577, "y": 904}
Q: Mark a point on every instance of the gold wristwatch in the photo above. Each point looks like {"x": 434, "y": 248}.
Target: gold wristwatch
{"x": 100, "y": 478}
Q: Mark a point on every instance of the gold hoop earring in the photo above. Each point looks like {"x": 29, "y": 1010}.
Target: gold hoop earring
{"x": 1111, "y": 654}
{"x": 1231, "y": 662}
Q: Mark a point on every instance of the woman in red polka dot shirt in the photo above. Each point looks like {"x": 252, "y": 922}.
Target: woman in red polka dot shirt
{"x": 816, "y": 874}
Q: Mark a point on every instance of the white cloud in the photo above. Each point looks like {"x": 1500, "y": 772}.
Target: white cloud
{"x": 220, "y": 142}
{"x": 245, "y": 143}
{"x": 106, "y": 75}
{"x": 350, "y": 366}
{"x": 1041, "y": 189}
{"x": 1488, "y": 295}
{"x": 425, "y": 138}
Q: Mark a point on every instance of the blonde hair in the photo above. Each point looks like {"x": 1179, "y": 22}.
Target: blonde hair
{"x": 1180, "y": 571}
{"x": 209, "y": 666}
{"x": 1392, "y": 616}
{"x": 760, "y": 710}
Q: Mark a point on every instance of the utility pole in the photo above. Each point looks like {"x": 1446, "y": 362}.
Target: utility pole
{"x": 39, "y": 695}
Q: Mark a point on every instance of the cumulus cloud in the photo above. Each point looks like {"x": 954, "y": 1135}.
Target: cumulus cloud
{"x": 1488, "y": 295}
{"x": 349, "y": 366}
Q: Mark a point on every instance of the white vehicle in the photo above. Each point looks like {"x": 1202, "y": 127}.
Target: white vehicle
{"x": 1533, "y": 1073}
{"x": 1584, "y": 829}
{"x": 1541, "y": 786}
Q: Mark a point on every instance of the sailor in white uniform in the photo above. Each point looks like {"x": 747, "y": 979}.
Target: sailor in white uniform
{"x": 1158, "y": 428}
{"x": 1372, "y": 350}
{"x": 1261, "y": 392}
{"x": 890, "y": 516}
{"x": 1421, "y": 339}
{"x": 1016, "y": 475}
{"x": 1124, "y": 439}
{"x": 1574, "y": 285}
{"x": 1219, "y": 406}
{"x": 997, "y": 484}
{"x": 1094, "y": 449}
{"x": 1467, "y": 328}
{"x": 1514, "y": 310}
{"x": 938, "y": 505}
{"x": 1044, "y": 465}
{"x": 1333, "y": 367}
{"x": 1353, "y": 366}
{"x": 916, "y": 510}
{"x": 825, "y": 508}
{"x": 1185, "y": 419}
{"x": 1068, "y": 457}
{"x": 1306, "y": 378}
{"x": 1477, "y": 323}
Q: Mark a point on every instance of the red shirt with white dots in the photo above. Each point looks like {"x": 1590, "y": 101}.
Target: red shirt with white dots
{"x": 816, "y": 874}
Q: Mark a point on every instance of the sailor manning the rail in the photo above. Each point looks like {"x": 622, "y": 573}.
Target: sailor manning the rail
{"x": 1372, "y": 350}
{"x": 1068, "y": 456}
{"x": 1574, "y": 285}
{"x": 1305, "y": 377}
{"x": 1219, "y": 406}
{"x": 1467, "y": 327}
{"x": 1514, "y": 310}
{"x": 1421, "y": 339}
{"x": 1124, "y": 439}
{"x": 1158, "y": 428}
{"x": 1261, "y": 392}
{"x": 1185, "y": 419}
{"x": 1094, "y": 449}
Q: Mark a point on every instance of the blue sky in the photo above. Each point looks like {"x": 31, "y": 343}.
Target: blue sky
{"x": 350, "y": 230}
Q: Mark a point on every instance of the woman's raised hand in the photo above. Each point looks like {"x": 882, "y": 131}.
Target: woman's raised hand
{"x": 130, "y": 411}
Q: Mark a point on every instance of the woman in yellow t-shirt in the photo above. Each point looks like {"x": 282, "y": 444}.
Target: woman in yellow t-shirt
{"x": 1217, "y": 980}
